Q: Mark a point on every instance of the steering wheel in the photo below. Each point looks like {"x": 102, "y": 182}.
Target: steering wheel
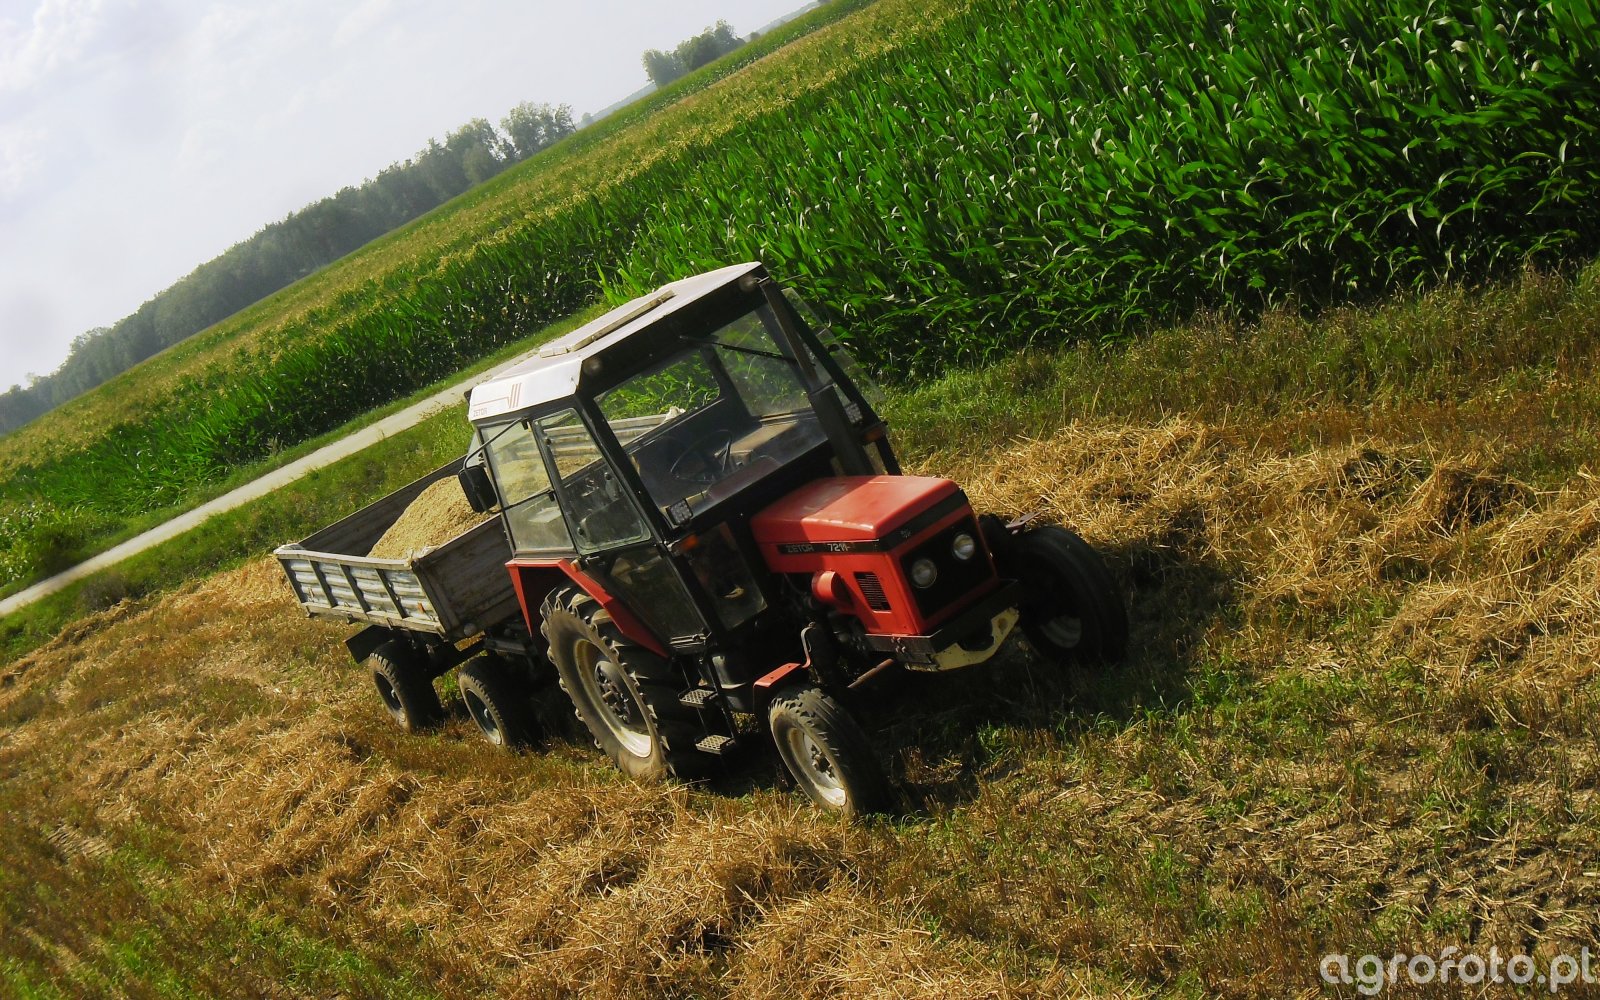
{"x": 715, "y": 445}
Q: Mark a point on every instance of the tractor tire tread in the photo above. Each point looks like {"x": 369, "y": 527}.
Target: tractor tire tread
{"x": 676, "y": 727}
{"x": 1087, "y": 577}
{"x": 833, "y": 728}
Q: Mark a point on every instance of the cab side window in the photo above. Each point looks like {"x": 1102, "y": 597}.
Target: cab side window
{"x": 526, "y": 494}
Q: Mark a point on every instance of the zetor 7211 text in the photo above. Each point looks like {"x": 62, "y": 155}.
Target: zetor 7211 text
{"x": 703, "y": 533}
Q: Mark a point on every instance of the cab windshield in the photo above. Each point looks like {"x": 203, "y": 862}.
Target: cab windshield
{"x": 722, "y": 413}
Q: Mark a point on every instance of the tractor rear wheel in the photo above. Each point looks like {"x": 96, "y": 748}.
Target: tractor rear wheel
{"x": 1071, "y": 609}
{"x": 500, "y": 703}
{"x": 626, "y": 695}
{"x": 824, "y": 748}
{"x": 406, "y": 687}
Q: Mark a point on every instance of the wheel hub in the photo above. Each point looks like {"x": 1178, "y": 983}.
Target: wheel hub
{"x": 391, "y": 697}
{"x": 819, "y": 769}
{"x": 614, "y": 694}
{"x": 608, "y": 701}
{"x": 1055, "y": 614}
{"x": 821, "y": 764}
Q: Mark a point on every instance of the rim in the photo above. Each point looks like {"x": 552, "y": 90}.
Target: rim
{"x": 1065, "y": 631}
{"x": 619, "y": 710}
{"x": 483, "y": 717}
{"x": 391, "y": 697}
{"x": 1053, "y": 608}
{"x": 816, "y": 768}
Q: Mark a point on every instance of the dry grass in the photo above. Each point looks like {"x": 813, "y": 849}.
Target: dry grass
{"x": 1358, "y": 714}
{"x": 1432, "y": 626}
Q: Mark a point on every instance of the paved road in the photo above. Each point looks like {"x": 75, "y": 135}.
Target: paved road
{"x": 342, "y": 448}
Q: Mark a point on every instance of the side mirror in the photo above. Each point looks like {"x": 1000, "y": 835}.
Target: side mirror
{"x": 479, "y": 488}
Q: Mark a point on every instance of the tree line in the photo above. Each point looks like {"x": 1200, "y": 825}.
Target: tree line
{"x": 663, "y": 67}
{"x": 285, "y": 251}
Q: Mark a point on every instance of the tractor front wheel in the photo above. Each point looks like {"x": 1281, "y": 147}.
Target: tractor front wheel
{"x": 1071, "y": 609}
{"x": 626, "y": 695}
{"x": 826, "y": 751}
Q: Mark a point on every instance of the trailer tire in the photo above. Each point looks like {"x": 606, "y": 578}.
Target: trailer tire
{"x": 406, "y": 687}
{"x": 625, "y": 695}
{"x": 823, "y": 747}
{"x": 1071, "y": 608}
{"x": 499, "y": 702}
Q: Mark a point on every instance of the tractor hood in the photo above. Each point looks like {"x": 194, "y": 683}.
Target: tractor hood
{"x": 855, "y": 509}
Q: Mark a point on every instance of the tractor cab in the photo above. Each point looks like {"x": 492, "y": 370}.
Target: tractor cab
{"x": 707, "y": 522}
{"x": 640, "y": 446}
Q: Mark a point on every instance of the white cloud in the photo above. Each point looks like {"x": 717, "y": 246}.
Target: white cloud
{"x": 221, "y": 26}
{"x": 19, "y": 159}
{"x": 58, "y": 34}
{"x": 205, "y": 147}
{"x": 361, "y": 22}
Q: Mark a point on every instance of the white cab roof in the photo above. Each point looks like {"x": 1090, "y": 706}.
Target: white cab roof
{"x": 553, "y": 372}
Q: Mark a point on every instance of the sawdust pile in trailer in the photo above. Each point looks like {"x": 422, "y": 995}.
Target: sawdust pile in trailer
{"x": 438, "y": 514}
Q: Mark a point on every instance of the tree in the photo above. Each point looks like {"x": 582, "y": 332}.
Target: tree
{"x": 531, "y": 127}
{"x": 662, "y": 67}
{"x": 441, "y": 171}
{"x": 708, "y": 46}
{"x": 477, "y": 147}
{"x": 19, "y": 405}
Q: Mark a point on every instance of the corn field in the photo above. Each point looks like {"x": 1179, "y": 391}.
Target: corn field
{"x": 1016, "y": 173}
{"x": 1046, "y": 171}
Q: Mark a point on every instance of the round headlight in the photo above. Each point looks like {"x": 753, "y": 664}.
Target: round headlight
{"x": 963, "y": 547}
{"x": 924, "y": 572}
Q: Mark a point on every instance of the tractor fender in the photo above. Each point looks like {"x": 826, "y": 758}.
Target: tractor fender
{"x": 626, "y": 621}
{"x": 533, "y": 580}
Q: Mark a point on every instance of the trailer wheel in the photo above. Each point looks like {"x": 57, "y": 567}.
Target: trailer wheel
{"x": 1071, "y": 610}
{"x": 627, "y": 696}
{"x": 406, "y": 687}
{"x": 824, "y": 748}
{"x": 500, "y": 705}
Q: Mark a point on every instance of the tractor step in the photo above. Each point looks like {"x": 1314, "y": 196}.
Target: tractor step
{"x": 697, "y": 698}
{"x": 717, "y": 745}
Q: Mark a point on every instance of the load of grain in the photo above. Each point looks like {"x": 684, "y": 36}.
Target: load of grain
{"x": 438, "y": 514}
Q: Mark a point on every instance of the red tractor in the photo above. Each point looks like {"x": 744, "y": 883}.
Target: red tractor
{"x": 708, "y": 522}
{"x": 708, "y": 531}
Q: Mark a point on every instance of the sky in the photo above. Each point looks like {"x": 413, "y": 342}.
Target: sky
{"x": 141, "y": 138}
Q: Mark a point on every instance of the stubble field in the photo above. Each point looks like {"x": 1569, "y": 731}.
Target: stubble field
{"x": 1357, "y": 715}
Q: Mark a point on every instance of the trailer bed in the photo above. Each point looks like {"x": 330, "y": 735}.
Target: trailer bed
{"x": 454, "y": 590}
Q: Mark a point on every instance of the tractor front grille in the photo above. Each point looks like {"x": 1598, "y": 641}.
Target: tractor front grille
{"x": 957, "y": 579}
{"x": 872, "y": 590}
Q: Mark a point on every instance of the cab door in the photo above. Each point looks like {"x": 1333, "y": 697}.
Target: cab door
{"x": 613, "y": 539}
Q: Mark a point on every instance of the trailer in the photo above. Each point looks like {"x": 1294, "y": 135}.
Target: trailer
{"x": 426, "y": 614}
